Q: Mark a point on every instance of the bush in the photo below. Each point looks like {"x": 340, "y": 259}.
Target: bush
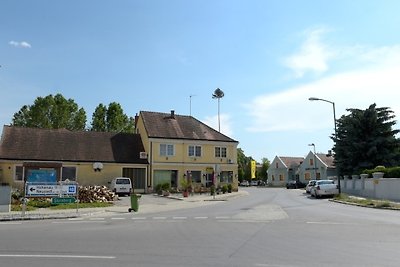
{"x": 393, "y": 172}
{"x": 39, "y": 203}
{"x": 229, "y": 188}
{"x": 224, "y": 188}
{"x": 166, "y": 186}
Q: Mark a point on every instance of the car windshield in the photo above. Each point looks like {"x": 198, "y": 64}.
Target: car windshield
{"x": 326, "y": 182}
{"x": 122, "y": 181}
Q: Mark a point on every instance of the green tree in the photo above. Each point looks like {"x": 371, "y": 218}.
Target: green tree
{"x": 99, "y": 122}
{"x": 263, "y": 172}
{"x": 244, "y": 169}
{"x": 365, "y": 139}
{"x": 111, "y": 119}
{"x": 52, "y": 112}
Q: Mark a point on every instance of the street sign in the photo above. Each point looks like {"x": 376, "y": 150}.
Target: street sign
{"x": 50, "y": 190}
{"x": 62, "y": 200}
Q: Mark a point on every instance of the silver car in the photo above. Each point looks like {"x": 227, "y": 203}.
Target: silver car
{"x": 324, "y": 188}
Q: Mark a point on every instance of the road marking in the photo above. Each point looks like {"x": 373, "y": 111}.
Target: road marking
{"x": 11, "y": 223}
{"x": 118, "y": 218}
{"x": 330, "y": 223}
{"x": 139, "y": 218}
{"x": 76, "y": 222}
{"x": 179, "y": 218}
{"x": 75, "y": 219}
{"x": 56, "y": 256}
{"x": 201, "y": 218}
{"x": 159, "y": 218}
{"x": 222, "y": 217}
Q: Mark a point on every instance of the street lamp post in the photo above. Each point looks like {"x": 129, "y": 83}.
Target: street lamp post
{"x": 315, "y": 161}
{"x": 334, "y": 121}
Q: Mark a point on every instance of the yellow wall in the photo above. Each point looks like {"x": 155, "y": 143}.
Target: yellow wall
{"x": 84, "y": 172}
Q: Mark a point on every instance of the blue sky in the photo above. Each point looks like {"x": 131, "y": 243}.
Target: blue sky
{"x": 267, "y": 56}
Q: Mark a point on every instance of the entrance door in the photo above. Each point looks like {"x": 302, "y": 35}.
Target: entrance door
{"x": 209, "y": 179}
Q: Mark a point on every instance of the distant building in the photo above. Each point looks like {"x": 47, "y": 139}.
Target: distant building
{"x": 283, "y": 169}
{"x": 313, "y": 167}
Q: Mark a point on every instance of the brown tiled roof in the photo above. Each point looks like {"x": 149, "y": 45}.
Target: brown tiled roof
{"x": 172, "y": 126}
{"x": 19, "y": 143}
{"x": 328, "y": 160}
{"x": 292, "y": 162}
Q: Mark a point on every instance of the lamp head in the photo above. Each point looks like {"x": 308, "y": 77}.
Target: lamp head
{"x": 313, "y": 99}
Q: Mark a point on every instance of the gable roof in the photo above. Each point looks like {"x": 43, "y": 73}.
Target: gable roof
{"x": 328, "y": 160}
{"x": 172, "y": 126}
{"x": 20, "y": 143}
{"x": 292, "y": 162}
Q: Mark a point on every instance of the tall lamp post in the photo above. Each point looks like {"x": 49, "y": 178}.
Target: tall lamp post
{"x": 334, "y": 121}
{"x": 315, "y": 161}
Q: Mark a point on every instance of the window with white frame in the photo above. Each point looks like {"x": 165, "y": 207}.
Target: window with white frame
{"x": 166, "y": 150}
{"x": 220, "y": 152}
{"x": 194, "y": 151}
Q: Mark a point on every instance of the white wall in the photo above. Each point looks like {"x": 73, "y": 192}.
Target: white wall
{"x": 382, "y": 188}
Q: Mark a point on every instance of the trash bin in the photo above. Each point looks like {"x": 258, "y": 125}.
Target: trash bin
{"x": 134, "y": 202}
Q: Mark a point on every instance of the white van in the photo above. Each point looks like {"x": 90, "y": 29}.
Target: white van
{"x": 121, "y": 186}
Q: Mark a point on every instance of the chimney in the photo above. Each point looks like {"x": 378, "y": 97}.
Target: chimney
{"x": 136, "y": 121}
{"x": 172, "y": 114}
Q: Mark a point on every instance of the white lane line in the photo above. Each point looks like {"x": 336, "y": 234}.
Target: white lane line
{"x": 222, "y": 217}
{"x": 75, "y": 219}
{"x": 76, "y": 222}
{"x": 159, "y": 218}
{"x": 10, "y": 223}
{"x": 179, "y": 218}
{"x": 139, "y": 218}
{"x": 330, "y": 223}
{"x": 118, "y": 218}
{"x": 56, "y": 256}
{"x": 201, "y": 218}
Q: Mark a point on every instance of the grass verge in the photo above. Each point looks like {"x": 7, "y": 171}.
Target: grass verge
{"x": 366, "y": 202}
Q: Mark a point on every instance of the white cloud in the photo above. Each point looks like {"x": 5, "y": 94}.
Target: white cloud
{"x": 312, "y": 56}
{"x": 22, "y": 44}
{"x": 376, "y": 80}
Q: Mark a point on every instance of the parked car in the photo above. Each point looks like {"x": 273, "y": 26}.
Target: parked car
{"x": 254, "y": 183}
{"x": 121, "y": 186}
{"x": 245, "y": 183}
{"x": 293, "y": 184}
{"x": 324, "y": 188}
{"x": 310, "y": 185}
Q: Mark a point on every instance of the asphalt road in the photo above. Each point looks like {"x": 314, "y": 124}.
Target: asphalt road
{"x": 269, "y": 227}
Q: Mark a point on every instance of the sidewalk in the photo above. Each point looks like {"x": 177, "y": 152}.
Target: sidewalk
{"x": 148, "y": 203}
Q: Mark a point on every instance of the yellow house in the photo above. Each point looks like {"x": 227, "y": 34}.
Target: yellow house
{"x": 88, "y": 158}
{"x": 181, "y": 147}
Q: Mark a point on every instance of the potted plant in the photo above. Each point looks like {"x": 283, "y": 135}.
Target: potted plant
{"x": 165, "y": 189}
{"x": 229, "y": 188}
{"x": 185, "y": 185}
{"x": 224, "y": 189}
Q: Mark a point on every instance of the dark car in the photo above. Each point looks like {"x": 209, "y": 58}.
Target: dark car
{"x": 295, "y": 184}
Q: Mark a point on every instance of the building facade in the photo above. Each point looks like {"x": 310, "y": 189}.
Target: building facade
{"x": 181, "y": 147}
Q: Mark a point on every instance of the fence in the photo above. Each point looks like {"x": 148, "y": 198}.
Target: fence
{"x": 377, "y": 188}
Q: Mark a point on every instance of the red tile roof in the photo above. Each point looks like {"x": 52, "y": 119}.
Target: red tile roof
{"x": 292, "y": 162}
{"x": 172, "y": 126}
{"x": 19, "y": 143}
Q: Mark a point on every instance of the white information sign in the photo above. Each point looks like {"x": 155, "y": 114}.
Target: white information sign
{"x": 50, "y": 190}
